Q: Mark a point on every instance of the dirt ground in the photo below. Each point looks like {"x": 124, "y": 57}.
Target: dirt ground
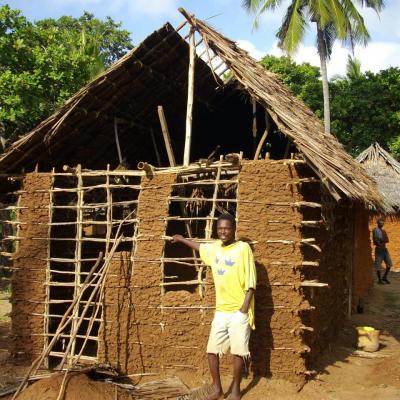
{"x": 341, "y": 374}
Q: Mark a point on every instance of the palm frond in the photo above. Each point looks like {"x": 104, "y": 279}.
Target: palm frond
{"x": 329, "y": 36}
{"x": 356, "y": 29}
{"x": 261, "y": 9}
{"x": 338, "y": 17}
{"x": 319, "y": 11}
{"x": 376, "y": 5}
{"x": 293, "y": 27}
{"x": 353, "y": 68}
{"x": 251, "y": 5}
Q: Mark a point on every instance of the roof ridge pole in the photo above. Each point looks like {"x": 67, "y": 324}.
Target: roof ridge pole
{"x": 189, "y": 110}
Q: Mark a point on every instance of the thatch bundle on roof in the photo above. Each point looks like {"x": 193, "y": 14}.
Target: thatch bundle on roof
{"x": 382, "y": 167}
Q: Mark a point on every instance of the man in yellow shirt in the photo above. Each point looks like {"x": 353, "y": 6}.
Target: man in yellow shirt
{"x": 234, "y": 274}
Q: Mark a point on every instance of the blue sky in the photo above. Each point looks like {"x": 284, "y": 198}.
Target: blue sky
{"x": 141, "y": 17}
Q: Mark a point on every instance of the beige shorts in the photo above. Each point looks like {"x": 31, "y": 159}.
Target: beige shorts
{"x": 229, "y": 330}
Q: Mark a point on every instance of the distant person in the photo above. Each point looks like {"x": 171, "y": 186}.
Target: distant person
{"x": 380, "y": 239}
{"x": 234, "y": 275}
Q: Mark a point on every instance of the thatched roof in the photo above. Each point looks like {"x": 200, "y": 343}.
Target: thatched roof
{"x": 82, "y": 131}
{"x": 382, "y": 167}
{"x": 156, "y": 73}
{"x": 322, "y": 151}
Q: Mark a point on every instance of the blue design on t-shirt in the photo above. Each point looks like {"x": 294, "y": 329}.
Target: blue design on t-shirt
{"x": 221, "y": 271}
{"x": 229, "y": 262}
{"x": 216, "y": 260}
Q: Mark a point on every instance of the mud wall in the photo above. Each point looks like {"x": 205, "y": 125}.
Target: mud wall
{"x": 362, "y": 256}
{"x": 266, "y": 213}
{"x": 335, "y": 239}
{"x": 147, "y": 331}
{"x": 392, "y": 227}
{"x": 28, "y": 280}
{"x": 131, "y": 338}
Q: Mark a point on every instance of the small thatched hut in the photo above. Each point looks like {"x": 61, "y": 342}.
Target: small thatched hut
{"x": 145, "y": 306}
{"x": 382, "y": 167}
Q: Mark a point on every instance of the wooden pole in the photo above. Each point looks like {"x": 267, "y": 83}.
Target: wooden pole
{"x": 153, "y": 139}
{"x": 46, "y": 321}
{"x": 117, "y": 140}
{"x": 254, "y": 107}
{"x": 263, "y": 138}
{"x": 189, "y": 111}
{"x": 167, "y": 138}
{"x": 78, "y": 254}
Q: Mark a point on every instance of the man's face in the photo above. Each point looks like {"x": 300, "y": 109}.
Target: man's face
{"x": 381, "y": 222}
{"x": 225, "y": 231}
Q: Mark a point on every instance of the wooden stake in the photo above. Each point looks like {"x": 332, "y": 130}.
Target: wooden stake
{"x": 263, "y": 138}
{"x": 254, "y": 108}
{"x": 167, "y": 138}
{"x": 189, "y": 112}
{"x": 117, "y": 140}
{"x": 153, "y": 139}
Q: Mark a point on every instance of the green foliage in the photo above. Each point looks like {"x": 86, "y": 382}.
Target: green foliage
{"x": 43, "y": 63}
{"x": 394, "y": 147}
{"x": 353, "y": 68}
{"x": 365, "y": 107}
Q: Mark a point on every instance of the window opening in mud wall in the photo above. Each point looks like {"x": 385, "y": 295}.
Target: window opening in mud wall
{"x": 86, "y": 211}
{"x": 195, "y": 203}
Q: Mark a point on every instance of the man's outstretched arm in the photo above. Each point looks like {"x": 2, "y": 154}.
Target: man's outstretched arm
{"x": 187, "y": 242}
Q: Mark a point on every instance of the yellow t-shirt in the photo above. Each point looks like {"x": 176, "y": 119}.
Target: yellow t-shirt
{"x": 234, "y": 273}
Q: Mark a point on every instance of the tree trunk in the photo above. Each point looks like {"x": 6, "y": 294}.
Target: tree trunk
{"x": 324, "y": 75}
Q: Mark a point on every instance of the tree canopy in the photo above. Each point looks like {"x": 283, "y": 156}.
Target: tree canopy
{"x": 365, "y": 106}
{"x": 366, "y": 109}
{"x": 43, "y": 63}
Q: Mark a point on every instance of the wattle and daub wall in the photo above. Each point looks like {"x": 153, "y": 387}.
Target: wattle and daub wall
{"x": 298, "y": 234}
{"x": 28, "y": 284}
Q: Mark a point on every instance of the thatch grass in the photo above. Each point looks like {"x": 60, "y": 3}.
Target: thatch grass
{"x": 385, "y": 170}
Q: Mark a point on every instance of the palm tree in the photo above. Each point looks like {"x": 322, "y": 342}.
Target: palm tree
{"x": 353, "y": 68}
{"x": 334, "y": 19}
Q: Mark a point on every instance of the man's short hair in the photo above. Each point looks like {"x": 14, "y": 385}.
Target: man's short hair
{"x": 227, "y": 217}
